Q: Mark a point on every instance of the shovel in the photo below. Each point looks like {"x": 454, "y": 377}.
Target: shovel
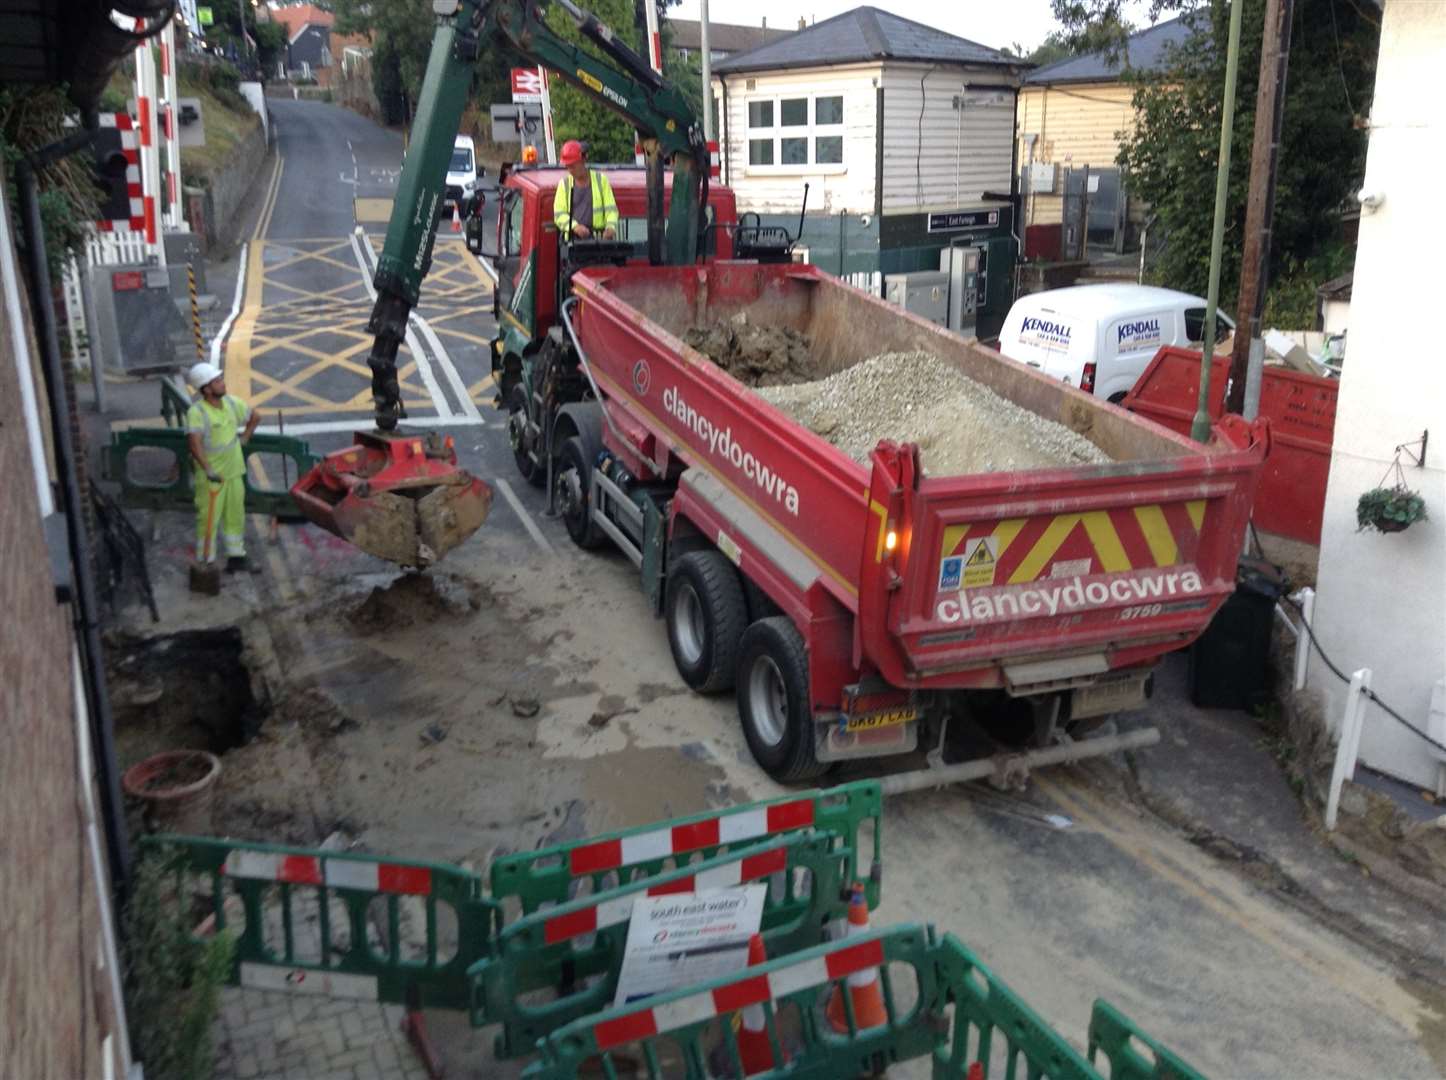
{"x": 206, "y": 576}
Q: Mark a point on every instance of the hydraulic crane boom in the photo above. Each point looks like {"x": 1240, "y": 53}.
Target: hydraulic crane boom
{"x": 394, "y": 494}
{"x": 670, "y": 133}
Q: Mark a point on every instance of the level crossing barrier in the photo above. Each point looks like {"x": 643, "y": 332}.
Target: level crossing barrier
{"x": 341, "y": 919}
{"x": 573, "y": 952}
{"x": 851, "y": 813}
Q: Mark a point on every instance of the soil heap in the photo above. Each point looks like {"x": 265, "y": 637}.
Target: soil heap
{"x": 753, "y": 354}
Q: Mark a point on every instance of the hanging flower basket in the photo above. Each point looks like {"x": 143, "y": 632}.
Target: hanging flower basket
{"x": 1389, "y": 510}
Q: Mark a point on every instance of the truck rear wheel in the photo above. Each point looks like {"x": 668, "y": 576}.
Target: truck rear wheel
{"x": 707, "y": 615}
{"x": 773, "y": 699}
{"x": 574, "y": 483}
{"x": 534, "y": 472}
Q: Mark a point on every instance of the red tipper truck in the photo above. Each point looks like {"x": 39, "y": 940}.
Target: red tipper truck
{"x": 860, "y": 610}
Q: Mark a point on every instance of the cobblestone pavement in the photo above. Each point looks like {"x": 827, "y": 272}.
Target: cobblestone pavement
{"x": 268, "y": 1035}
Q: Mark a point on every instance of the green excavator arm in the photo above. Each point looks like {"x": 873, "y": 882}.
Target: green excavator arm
{"x": 670, "y": 134}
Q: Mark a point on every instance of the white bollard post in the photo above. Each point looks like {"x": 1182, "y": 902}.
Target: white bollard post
{"x": 1349, "y": 746}
{"x": 1302, "y": 637}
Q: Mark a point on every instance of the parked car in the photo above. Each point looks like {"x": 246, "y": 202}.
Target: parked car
{"x": 1102, "y": 337}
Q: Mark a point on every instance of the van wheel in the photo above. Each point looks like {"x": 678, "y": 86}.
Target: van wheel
{"x": 534, "y": 472}
{"x": 707, "y": 614}
{"x": 773, "y": 700}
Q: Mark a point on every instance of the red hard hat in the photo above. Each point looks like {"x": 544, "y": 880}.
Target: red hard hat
{"x": 571, "y": 152}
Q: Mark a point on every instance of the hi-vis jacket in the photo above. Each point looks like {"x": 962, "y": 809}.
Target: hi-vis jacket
{"x": 604, "y": 205}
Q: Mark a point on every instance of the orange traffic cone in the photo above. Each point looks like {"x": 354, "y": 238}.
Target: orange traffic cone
{"x": 753, "y": 1045}
{"x": 863, "y": 986}
{"x": 976, "y": 1071}
{"x": 456, "y": 218}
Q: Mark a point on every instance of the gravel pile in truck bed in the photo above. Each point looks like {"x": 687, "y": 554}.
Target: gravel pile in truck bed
{"x": 960, "y": 425}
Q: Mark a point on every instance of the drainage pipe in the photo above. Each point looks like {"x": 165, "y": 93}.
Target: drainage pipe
{"x": 1006, "y": 765}
{"x": 85, "y": 607}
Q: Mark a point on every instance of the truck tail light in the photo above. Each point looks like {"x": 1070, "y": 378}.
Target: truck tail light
{"x": 1087, "y": 378}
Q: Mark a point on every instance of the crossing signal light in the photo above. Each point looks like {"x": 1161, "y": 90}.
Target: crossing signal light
{"x": 110, "y": 175}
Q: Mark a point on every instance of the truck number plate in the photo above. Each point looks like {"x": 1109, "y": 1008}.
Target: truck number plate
{"x": 886, "y": 718}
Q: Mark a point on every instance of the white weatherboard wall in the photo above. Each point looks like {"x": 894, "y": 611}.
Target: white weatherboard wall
{"x": 937, "y": 157}
{"x": 1382, "y": 599}
{"x": 778, "y": 189}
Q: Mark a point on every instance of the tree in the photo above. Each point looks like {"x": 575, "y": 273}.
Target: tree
{"x": 1170, "y": 157}
{"x": 1105, "y": 34}
{"x": 401, "y": 32}
{"x": 576, "y": 115}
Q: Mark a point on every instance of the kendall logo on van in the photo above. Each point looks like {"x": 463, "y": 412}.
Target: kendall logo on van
{"x": 1139, "y": 332}
{"x": 1046, "y": 333}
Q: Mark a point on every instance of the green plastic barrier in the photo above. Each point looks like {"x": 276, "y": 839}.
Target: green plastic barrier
{"x": 548, "y": 874}
{"x": 176, "y": 492}
{"x": 1114, "y": 1034}
{"x": 989, "y": 1019}
{"x": 354, "y": 899}
{"x": 176, "y": 401}
{"x": 695, "y": 1024}
{"x": 545, "y": 951}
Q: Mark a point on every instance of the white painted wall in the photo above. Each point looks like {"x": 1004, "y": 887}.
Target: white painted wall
{"x": 937, "y": 157}
{"x": 1382, "y": 599}
{"x": 1335, "y": 316}
{"x": 779, "y": 189}
{"x": 961, "y": 154}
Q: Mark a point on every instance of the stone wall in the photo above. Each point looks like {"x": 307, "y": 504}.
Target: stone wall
{"x": 55, "y": 1009}
{"x": 244, "y": 172}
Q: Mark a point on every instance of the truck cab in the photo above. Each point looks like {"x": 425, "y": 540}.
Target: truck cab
{"x": 531, "y": 260}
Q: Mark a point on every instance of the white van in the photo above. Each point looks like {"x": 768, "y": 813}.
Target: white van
{"x": 462, "y": 174}
{"x": 1102, "y": 337}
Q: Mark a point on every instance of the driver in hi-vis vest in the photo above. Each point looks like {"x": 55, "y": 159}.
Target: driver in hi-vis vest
{"x": 217, "y": 426}
{"x": 584, "y": 207}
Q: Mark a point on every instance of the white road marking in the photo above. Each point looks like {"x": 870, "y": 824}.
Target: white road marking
{"x": 527, "y": 522}
{"x": 434, "y": 389}
{"x": 220, "y": 338}
{"x": 449, "y": 369}
{"x": 439, "y": 351}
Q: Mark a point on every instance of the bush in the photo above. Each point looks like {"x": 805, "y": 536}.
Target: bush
{"x": 172, "y": 980}
{"x": 222, "y": 79}
{"x": 30, "y": 119}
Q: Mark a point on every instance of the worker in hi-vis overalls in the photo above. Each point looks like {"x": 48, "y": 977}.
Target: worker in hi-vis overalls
{"x": 217, "y": 426}
{"x": 584, "y": 207}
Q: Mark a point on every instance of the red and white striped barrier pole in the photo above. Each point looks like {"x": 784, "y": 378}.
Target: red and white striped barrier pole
{"x": 170, "y": 92}
{"x": 149, "y": 150}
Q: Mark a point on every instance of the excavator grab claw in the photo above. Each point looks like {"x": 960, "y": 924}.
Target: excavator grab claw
{"x": 397, "y": 495}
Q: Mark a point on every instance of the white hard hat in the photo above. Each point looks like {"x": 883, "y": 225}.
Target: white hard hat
{"x": 203, "y": 374}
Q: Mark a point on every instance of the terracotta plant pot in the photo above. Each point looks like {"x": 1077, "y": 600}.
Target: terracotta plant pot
{"x": 176, "y": 787}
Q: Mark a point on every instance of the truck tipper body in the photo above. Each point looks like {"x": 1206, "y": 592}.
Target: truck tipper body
{"x": 1053, "y": 591}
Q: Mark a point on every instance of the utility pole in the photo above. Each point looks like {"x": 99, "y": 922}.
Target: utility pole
{"x": 1200, "y": 427}
{"x": 1249, "y": 355}
{"x": 707, "y": 70}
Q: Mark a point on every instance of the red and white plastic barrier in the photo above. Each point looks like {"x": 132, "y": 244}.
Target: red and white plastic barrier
{"x": 746, "y": 991}
{"x": 714, "y": 165}
{"x": 382, "y": 877}
{"x": 750, "y": 824}
{"x": 619, "y": 909}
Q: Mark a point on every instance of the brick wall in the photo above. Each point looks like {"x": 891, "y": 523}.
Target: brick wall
{"x": 55, "y": 1008}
